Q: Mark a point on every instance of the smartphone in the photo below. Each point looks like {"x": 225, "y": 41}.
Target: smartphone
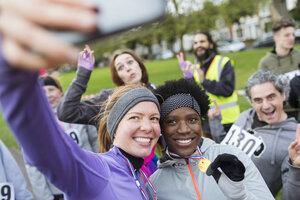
{"x": 115, "y": 16}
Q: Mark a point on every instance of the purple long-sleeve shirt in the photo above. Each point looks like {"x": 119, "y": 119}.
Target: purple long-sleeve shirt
{"x": 78, "y": 173}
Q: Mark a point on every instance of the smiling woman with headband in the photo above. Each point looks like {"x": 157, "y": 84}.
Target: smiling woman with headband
{"x": 126, "y": 68}
{"x": 132, "y": 121}
{"x": 189, "y": 160}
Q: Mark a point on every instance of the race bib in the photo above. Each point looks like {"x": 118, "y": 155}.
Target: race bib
{"x": 75, "y": 137}
{"x": 7, "y": 191}
{"x": 242, "y": 139}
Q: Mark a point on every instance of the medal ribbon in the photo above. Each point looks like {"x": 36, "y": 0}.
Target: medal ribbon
{"x": 137, "y": 181}
{"x": 189, "y": 157}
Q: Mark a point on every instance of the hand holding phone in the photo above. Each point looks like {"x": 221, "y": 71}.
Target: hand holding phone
{"x": 117, "y": 15}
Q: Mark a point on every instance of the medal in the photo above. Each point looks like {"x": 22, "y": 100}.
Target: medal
{"x": 204, "y": 164}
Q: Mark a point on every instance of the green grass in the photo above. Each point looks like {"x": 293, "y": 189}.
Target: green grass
{"x": 159, "y": 71}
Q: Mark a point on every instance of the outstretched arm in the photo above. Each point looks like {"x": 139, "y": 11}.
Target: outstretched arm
{"x": 70, "y": 108}
{"x": 45, "y": 145}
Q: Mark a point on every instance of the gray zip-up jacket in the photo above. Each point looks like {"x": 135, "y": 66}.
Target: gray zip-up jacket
{"x": 272, "y": 158}
{"x": 173, "y": 179}
{"x": 11, "y": 177}
{"x": 43, "y": 189}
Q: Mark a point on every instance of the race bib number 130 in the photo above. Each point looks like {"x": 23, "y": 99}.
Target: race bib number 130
{"x": 242, "y": 139}
{"x": 7, "y": 191}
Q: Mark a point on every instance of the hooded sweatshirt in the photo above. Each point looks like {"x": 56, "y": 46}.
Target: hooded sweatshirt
{"x": 272, "y": 159}
{"x": 280, "y": 64}
{"x": 173, "y": 180}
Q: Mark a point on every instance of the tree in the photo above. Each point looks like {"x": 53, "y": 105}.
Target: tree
{"x": 279, "y": 10}
{"x": 205, "y": 19}
{"x": 233, "y": 10}
{"x": 295, "y": 12}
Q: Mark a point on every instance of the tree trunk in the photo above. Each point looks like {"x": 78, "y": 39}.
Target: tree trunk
{"x": 279, "y": 10}
{"x": 181, "y": 43}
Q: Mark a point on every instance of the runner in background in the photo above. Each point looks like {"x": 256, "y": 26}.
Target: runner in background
{"x": 267, "y": 125}
{"x": 215, "y": 74}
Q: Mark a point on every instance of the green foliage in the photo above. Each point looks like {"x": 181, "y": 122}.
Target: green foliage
{"x": 205, "y": 19}
{"x": 295, "y": 12}
{"x": 233, "y": 10}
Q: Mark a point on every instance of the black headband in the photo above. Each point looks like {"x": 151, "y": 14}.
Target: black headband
{"x": 47, "y": 80}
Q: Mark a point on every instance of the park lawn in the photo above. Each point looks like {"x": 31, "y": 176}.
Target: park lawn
{"x": 245, "y": 63}
{"x": 159, "y": 71}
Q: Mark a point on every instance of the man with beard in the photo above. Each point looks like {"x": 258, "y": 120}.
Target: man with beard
{"x": 215, "y": 74}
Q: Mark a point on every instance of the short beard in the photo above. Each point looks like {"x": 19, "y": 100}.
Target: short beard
{"x": 204, "y": 56}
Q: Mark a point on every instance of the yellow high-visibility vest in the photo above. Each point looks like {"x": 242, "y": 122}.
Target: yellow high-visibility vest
{"x": 229, "y": 106}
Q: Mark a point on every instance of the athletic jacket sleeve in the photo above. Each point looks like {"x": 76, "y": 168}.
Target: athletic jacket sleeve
{"x": 93, "y": 137}
{"x": 225, "y": 86}
{"x": 70, "y": 109}
{"x": 290, "y": 180}
{"x": 45, "y": 145}
{"x": 13, "y": 174}
{"x": 39, "y": 184}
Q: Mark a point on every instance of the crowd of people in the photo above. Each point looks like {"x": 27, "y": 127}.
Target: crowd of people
{"x": 185, "y": 139}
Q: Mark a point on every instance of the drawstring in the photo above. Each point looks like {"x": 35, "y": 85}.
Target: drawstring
{"x": 291, "y": 58}
{"x": 273, "y": 155}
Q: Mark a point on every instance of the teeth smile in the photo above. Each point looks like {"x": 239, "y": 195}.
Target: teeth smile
{"x": 184, "y": 141}
{"x": 144, "y": 140}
